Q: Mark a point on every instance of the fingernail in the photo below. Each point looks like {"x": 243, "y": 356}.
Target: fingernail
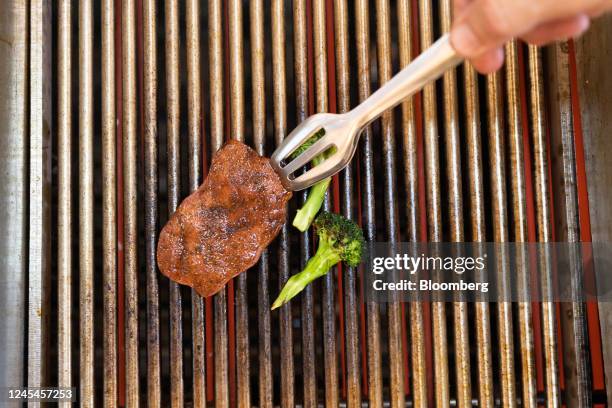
{"x": 464, "y": 40}
{"x": 583, "y": 24}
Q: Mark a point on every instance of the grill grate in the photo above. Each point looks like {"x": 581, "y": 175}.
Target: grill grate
{"x": 469, "y": 158}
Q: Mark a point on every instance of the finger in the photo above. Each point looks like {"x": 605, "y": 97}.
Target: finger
{"x": 557, "y": 30}
{"x": 598, "y": 9}
{"x": 490, "y": 61}
{"x": 485, "y": 24}
{"x": 460, "y": 5}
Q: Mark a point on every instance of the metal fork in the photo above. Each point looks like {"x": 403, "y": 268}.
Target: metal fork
{"x": 342, "y": 131}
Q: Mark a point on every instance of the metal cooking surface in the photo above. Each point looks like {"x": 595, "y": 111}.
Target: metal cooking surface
{"x": 143, "y": 94}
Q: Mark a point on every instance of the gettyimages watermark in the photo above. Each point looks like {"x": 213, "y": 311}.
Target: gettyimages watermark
{"x": 488, "y": 272}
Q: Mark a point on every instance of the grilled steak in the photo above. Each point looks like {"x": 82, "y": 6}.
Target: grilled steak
{"x": 221, "y": 229}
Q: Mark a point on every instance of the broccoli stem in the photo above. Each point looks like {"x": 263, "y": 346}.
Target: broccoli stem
{"x": 317, "y": 266}
{"x": 306, "y": 214}
{"x": 314, "y": 201}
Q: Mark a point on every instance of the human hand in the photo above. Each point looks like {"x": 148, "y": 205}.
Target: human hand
{"x": 481, "y": 27}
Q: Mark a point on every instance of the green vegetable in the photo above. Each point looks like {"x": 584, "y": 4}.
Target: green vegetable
{"x": 314, "y": 138}
{"x": 340, "y": 239}
{"x": 316, "y": 195}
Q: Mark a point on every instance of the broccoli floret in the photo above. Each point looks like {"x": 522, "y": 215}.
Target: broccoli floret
{"x": 304, "y": 146}
{"x": 340, "y": 239}
{"x": 316, "y": 195}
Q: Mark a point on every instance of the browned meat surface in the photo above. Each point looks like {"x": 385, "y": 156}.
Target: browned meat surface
{"x": 221, "y": 229}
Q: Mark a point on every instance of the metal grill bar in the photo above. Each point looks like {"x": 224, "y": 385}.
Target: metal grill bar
{"x": 109, "y": 199}
{"x": 215, "y": 51}
{"x": 353, "y": 397}
{"x": 231, "y": 286}
{"x": 215, "y": 44}
{"x": 279, "y": 93}
{"x": 194, "y": 119}
{"x": 500, "y": 234}
{"x": 544, "y": 222}
{"x": 455, "y": 208}
{"x": 174, "y": 189}
{"x": 322, "y": 105}
{"x": 236, "y": 70}
{"x": 86, "y": 202}
{"x": 39, "y": 195}
{"x": 517, "y": 177}
{"x": 14, "y": 220}
{"x": 362, "y": 34}
{"x": 383, "y": 35}
{"x": 121, "y": 326}
{"x": 410, "y": 155}
{"x": 300, "y": 51}
{"x": 237, "y": 120}
{"x": 434, "y": 212}
{"x": 149, "y": 13}
{"x": 130, "y": 188}
{"x": 477, "y": 220}
{"x": 256, "y": 13}
{"x": 64, "y": 195}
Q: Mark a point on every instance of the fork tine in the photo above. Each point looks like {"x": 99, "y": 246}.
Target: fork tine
{"x": 307, "y": 156}
{"x": 326, "y": 169}
{"x": 291, "y": 143}
{"x": 297, "y": 137}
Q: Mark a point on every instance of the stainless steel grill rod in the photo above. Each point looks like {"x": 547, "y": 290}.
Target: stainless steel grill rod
{"x": 351, "y": 309}
{"x": 500, "y": 234}
{"x": 300, "y": 51}
{"x": 109, "y": 203}
{"x": 477, "y": 220}
{"x": 256, "y": 14}
{"x": 64, "y": 197}
{"x": 330, "y": 354}
{"x": 517, "y": 176}
{"x": 302, "y": 108}
{"x": 40, "y": 195}
{"x": 149, "y": 13}
{"x": 173, "y": 141}
{"x": 385, "y": 71}
{"x": 130, "y": 162}
{"x": 362, "y": 34}
{"x": 237, "y": 121}
{"x": 279, "y": 94}
{"x": 409, "y": 136}
{"x": 434, "y": 211}
{"x": 194, "y": 124}
{"x": 455, "y": 208}
{"x": 216, "y": 64}
{"x": 544, "y": 223}
{"x": 14, "y": 139}
{"x": 86, "y": 265}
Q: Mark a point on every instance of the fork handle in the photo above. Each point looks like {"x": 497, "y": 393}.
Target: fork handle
{"x": 427, "y": 67}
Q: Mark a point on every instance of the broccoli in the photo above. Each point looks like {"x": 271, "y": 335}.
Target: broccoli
{"x": 311, "y": 140}
{"x": 340, "y": 239}
{"x": 316, "y": 195}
